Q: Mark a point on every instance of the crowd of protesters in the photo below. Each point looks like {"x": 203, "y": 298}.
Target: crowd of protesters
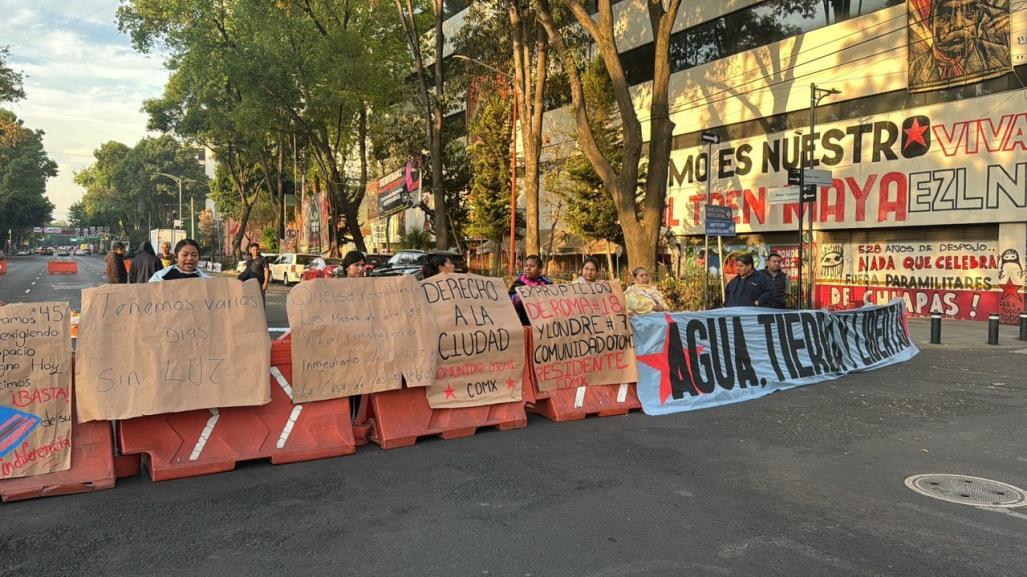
{"x": 765, "y": 288}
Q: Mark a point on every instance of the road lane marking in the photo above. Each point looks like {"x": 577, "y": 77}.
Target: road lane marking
{"x": 33, "y": 283}
{"x": 27, "y": 291}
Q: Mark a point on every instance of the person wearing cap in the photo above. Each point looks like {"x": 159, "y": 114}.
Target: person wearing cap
{"x": 114, "y": 264}
{"x": 352, "y": 265}
{"x": 748, "y": 288}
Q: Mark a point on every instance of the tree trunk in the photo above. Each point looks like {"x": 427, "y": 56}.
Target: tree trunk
{"x": 609, "y": 262}
{"x": 530, "y": 81}
{"x": 437, "y": 187}
{"x": 641, "y": 224}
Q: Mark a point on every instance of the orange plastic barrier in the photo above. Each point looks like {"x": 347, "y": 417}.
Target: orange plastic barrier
{"x": 3, "y": 266}
{"x": 577, "y": 403}
{"x": 92, "y": 467}
{"x": 62, "y": 267}
{"x": 397, "y": 418}
{"x": 203, "y": 442}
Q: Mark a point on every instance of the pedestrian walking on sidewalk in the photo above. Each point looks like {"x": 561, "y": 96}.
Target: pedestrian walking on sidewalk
{"x": 749, "y": 288}
{"x": 114, "y": 264}
{"x": 144, "y": 264}
{"x": 187, "y": 255}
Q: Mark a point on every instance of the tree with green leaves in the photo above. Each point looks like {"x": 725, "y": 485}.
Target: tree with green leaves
{"x": 640, "y": 217}
{"x": 24, "y": 170}
{"x": 590, "y": 210}
{"x": 123, "y": 190}
{"x": 490, "y": 160}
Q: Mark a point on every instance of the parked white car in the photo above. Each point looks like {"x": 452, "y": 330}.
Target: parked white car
{"x": 288, "y": 267}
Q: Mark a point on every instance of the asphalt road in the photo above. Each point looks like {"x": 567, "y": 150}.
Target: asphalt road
{"x": 807, "y": 482}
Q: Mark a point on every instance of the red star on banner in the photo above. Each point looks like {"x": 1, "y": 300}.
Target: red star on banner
{"x": 510, "y": 383}
{"x": 915, "y": 133}
{"x": 660, "y": 362}
{"x": 450, "y": 393}
{"x": 1010, "y": 289}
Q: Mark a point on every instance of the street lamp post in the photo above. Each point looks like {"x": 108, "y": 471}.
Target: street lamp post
{"x": 179, "y": 182}
{"x": 513, "y": 159}
{"x": 815, "y": 96}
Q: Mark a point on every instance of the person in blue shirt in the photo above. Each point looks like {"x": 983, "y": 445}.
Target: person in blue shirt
{"x": 187, "y": 255}
{"x": 749, "y": 288}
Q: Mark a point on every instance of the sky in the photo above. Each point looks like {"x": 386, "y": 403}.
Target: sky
{"x": 84, "y": 83}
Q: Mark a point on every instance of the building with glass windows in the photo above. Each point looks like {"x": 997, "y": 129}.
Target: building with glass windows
{"x": 925, "y": 141}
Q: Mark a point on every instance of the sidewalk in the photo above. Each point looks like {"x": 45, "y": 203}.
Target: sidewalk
{"x": 966, "y": 335}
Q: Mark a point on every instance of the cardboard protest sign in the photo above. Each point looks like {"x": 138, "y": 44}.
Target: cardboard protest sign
{"x": 147, "y": 349}
{"x": 581, "y": 335}
{"x": 35, "y": 389}
{"x": 480, "y": 345}
{"x": 357, "y": 336}
{"x": 691, "y": 361}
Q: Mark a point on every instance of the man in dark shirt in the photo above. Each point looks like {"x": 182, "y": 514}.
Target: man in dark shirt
{"x": 114, "y": 264}
{"x": 749, "y": 288}
{"x": 777, "y": 280}
{"x": 258, "y": 268}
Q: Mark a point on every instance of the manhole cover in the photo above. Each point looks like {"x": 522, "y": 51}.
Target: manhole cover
{"x": 968, "y": 490}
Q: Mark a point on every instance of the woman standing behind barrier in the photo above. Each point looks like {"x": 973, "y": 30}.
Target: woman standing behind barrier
{"x": 352, "y": 265}
{"x": 532, "y": 276}
{"x": 437, "y": 264}
{"x": 187, "y": 255}
{"x": 642, "y": 297}
{"x": 589, "y": 271}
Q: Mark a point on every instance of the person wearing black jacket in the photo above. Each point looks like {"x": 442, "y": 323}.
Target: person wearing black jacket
{"x": 749, "y": 288}
{"x": 777, "y": 280}
{"x": 114, "y": 264}
{"x": 144, "y": 264}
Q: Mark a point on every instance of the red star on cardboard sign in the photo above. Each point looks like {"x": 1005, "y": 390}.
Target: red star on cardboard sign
{"x": 510, "y": 383}
{"x": 660, "y": 361}
{"x": 915, "y": 133}
{"x": 1010, "y": 289}
{"x": 450, "y": 393}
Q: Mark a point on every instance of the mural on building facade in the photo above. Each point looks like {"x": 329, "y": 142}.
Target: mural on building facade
{"x": 955, "y": 42}
{"x": 963, "y": 280}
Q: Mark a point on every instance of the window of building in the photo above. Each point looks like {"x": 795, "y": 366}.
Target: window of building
{"x": 758, "y": 25}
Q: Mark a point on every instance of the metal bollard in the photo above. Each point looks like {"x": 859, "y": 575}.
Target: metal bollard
{"x": 1023, "y": 326}
{"x": 993, "y": 329}
{"x": 935, "y": 328}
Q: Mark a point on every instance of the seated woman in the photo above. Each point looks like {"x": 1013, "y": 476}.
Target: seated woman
{"x": 353, "y": 266}
{"x": 186, "y": 254}
{"x": 642, "y": 297}
{"x": 589, "y": 271}
{"x": 532, "y": 276}
{"x": 437, "y": 264}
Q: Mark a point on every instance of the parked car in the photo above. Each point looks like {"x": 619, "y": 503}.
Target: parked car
{"x": 63, "y": 251}
{"x": 411, "y": 261}
{"x": 81, "y": 252}
{"x": 288, "y": 267}
{"x": 373, "y": 261}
